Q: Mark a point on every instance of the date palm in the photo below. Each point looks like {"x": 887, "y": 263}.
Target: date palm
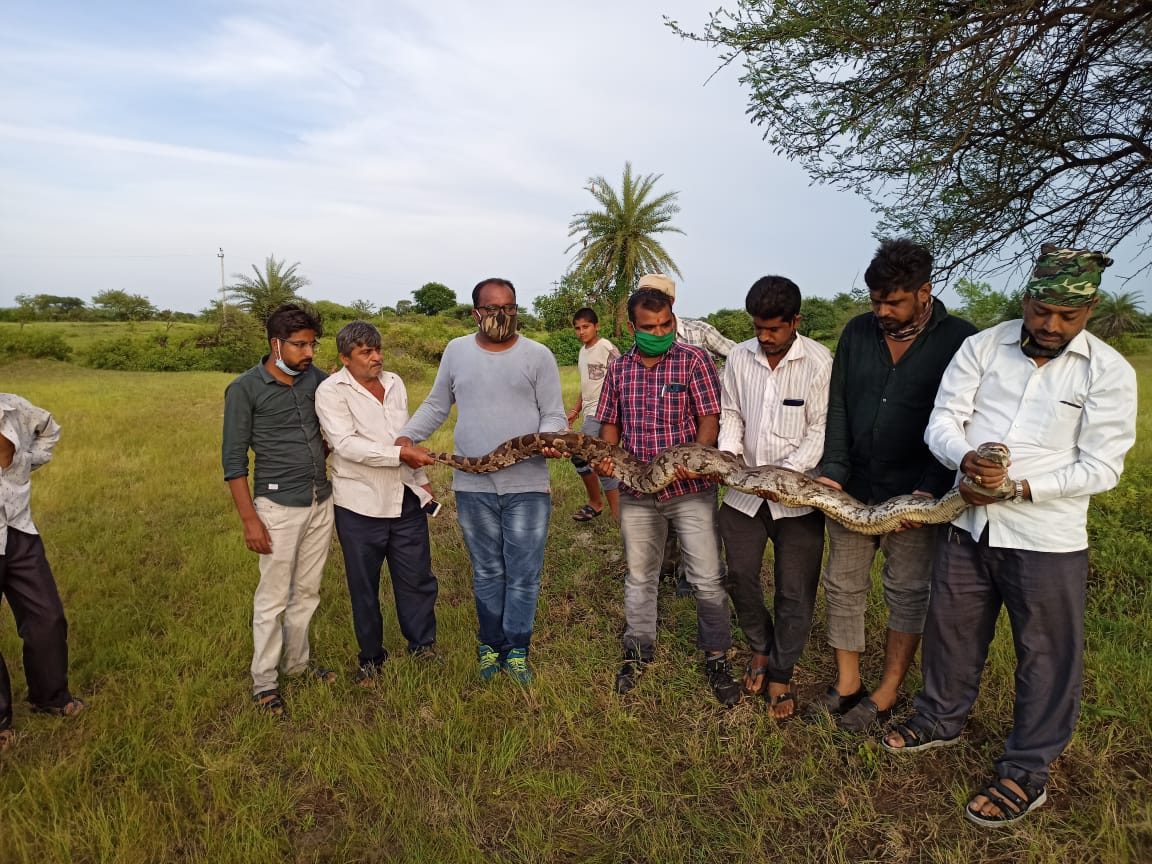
{"x": 1116, "y": 315}
{"x": 617, "y": 243}
{"x": 275, "y": 285}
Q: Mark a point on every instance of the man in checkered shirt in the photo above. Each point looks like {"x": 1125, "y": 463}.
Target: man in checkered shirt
{"x": 658, "y": 394}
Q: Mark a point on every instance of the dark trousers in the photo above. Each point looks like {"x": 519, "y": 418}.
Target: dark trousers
{"x": 1045, "y": 594}
{"x": 26, "y": 580}
{"x": 367, "y": 542}
{"x": 798, "y": 546}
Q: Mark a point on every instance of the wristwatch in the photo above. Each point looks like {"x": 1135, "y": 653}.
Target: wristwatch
{"x": 1018, "y": 498}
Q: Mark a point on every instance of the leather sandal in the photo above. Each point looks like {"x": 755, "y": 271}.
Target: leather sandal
{"x": 1012, "y": 807}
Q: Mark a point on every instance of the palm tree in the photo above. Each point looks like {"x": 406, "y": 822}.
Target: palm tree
{"x": 274, "y": 286}
{"x": 617, "y": 243}
{"x": 1116, "y": 315}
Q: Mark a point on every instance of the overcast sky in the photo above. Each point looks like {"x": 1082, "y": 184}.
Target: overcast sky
{"x": 382, "y": 145}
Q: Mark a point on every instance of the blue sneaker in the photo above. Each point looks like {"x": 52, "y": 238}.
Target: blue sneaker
{"x": 516, "y": 665}
{"x": 489, "y": 662}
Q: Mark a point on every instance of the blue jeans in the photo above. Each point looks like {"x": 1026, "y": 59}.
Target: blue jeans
{"x": 505, "y": 536}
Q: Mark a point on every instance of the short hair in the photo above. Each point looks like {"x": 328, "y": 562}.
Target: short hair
{"x": 898, "y": 265}
{"x": 290, "y": 318}
{"x": 494, "y": 280}
{"x": 356, "y": 334}
{"x": 773, "y": 297}
{"x": 650, "y": 299}
{"x": 586, "y": 314}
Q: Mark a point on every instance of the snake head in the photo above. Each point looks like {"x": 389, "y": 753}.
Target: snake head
{"x": 996, "y": 452}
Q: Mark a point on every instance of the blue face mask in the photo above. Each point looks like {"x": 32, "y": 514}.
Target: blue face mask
{"x": 282, "y": 366}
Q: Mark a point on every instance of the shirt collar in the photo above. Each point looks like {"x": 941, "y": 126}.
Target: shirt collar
{"x": 1078, "y": 345}
{"x": 798, "y": 351}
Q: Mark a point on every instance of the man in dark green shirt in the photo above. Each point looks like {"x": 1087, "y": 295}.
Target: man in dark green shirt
{"x": 887, "y": 369}
{"x": 271, "y": 410}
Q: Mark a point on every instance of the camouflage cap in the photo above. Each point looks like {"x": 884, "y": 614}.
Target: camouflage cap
{"x": 1066, "y": 277}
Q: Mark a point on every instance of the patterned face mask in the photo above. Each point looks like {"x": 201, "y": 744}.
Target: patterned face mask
{"x": 499, "y": 327}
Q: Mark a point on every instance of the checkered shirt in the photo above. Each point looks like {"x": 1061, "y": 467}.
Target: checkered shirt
{"x": 657, "y": 408}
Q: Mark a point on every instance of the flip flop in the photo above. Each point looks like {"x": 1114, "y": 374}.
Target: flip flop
{"x": 586, "y": 513}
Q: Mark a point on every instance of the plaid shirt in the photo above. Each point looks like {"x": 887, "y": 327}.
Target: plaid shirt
{"x": 658, "y": 407}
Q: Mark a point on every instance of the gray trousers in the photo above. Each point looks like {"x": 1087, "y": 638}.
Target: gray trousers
{"x": 797, "y": 547}
{"x": 1045, "y": 594}
{"x": 644, "y": 526}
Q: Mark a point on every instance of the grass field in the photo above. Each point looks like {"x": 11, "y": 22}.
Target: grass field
{"x": 171, "y": 763}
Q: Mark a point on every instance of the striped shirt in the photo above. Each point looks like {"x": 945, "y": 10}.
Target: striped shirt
{"x": 658, "y": 407}
{"x": 775, "y": 416}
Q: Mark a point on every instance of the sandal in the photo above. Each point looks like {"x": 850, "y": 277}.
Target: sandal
{"x": 322, "y": 674}
{"x": 760, "y": 672}
{"x": 69, "y": 709}
{"x": 862, "y": 716}
{"x": 271, "y": 702}
{"x": 1012, "y": 807}
{"x": 780, "y": 700}
{"x": 587, "y": 513}
{"x": 915, "y": 738}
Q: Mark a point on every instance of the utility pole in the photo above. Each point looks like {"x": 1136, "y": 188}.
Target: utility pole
{"x": 223, "y": 300}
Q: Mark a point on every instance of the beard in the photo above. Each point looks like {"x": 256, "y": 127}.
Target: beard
{"x": 779, "y": 349}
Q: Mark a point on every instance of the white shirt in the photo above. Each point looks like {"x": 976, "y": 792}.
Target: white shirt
{"x": 367, "y": 475}
{"x": 593, "y": 363}
{"x": 695, "y": 331}
{"x": 774, "y": 416}
{"x": 1068, "y": 423}
{"x": 33, "y": 433}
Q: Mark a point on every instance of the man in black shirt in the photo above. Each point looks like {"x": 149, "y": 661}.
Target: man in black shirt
{"x": 287, "y": 517}
{"x": 885, "y": 374}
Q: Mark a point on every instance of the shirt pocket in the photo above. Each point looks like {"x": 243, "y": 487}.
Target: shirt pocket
{"x": 1060, "y": 423}
{"x": 789, "y": 421}
{"x": 672, "y": 407}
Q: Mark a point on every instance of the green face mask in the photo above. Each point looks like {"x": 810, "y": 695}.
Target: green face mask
{"x": 654, "y": 346}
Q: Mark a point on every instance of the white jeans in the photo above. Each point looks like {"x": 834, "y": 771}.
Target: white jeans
{"x": 289, "y": 589}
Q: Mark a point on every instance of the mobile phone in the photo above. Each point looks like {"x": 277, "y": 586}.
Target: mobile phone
{"x": 432, "y": 508}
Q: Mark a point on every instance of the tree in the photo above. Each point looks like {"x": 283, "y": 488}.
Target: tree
{"x": 1116, "y": 315}
{"x": 259, "y": 295}
{"x": 616, "y": 242}
{"x": 979, "y": 128}
{"x": 432, "y": 298}
{"x": 123, "y": 306}
{"x": 403, "y": 307}
{"x": 819, "y": 318}
{"x": 573, "y": 292}
{"x": 364, "y": 309}
{"x": 984, "y": 306}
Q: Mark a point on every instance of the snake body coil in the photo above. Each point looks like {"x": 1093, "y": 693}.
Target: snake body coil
{"x": 790, "y": 488}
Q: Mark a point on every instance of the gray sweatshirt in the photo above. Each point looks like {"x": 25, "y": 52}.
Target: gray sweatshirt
{"x": 498, "y": 395}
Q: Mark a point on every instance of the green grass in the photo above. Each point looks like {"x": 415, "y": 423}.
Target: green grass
{"x": 172, "y": 764}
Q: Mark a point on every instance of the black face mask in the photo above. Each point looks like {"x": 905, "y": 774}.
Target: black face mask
{"x": 1034, "y": 349}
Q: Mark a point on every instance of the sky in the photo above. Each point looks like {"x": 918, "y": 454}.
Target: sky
{"x": 383, "y": 145}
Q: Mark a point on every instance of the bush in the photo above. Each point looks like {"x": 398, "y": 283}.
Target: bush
{"x": 34, "y": 344}
{"x": 564, "y": 345}
{"x": 236, "y": 346}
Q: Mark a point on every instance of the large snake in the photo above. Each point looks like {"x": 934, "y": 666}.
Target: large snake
{"x": 790, "y": 488}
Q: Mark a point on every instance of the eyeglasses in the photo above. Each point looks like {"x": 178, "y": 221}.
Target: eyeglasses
{"x": 509, "y": 309}
{"x": 295, "y": 344}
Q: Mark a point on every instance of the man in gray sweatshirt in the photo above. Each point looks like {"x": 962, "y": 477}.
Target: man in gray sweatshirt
{"x": 503, "y": 386}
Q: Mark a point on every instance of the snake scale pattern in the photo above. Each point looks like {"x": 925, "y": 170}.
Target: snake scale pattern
{"x": 790, "y": 488}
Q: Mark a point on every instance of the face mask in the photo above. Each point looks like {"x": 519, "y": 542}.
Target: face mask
{"x": 282, "y": 366}
{"x": 499, "y": 327}
{"x": 654, "y": 346}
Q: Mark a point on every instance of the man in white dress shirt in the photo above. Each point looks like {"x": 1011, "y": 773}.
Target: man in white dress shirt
{"x": 27, "y": 436}
{"x": 380, "y": 491}
{"x": 773, "y": 411}
{"x": 1064, "y": 403}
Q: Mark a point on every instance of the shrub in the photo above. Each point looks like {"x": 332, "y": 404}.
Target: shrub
{"x": 236, "y": 346}
{"x": 34, "y": 344}
{"x": 564, "y": 345}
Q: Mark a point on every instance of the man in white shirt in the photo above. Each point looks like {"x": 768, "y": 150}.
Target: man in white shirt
{"x": 380, "y": 491}
{"x": 27, "y": 436}
{"x": 773, "y": 411}
{"x": 1064, "y": 403}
